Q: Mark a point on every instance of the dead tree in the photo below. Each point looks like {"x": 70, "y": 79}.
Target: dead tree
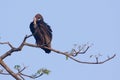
{"x": 20, "y": 76}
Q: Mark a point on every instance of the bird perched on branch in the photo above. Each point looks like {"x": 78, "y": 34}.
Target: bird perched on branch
{"x": 41, "y": 32}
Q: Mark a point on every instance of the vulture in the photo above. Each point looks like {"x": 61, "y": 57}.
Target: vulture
{"x": 42, "y": 32}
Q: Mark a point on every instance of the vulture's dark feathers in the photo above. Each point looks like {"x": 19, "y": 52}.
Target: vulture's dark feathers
{"x": 41, "y": 32}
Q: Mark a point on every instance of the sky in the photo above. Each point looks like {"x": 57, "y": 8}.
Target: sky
{"x": 73, "y": 22}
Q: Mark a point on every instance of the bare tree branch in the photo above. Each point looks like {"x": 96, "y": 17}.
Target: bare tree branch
{"x": 13, "y": 49}
{"x": 33, "y": 76}
{"x": 71, "y": 55}
{"x": 7, "y": 43}
{"x": 9, "y": 70}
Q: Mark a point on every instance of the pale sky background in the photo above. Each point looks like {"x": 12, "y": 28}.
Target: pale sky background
{"x": 72, "y": 22}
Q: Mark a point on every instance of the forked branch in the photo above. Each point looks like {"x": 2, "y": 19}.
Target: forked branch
{"x": 21, "y": 75}
{"x": 71, "y": 55}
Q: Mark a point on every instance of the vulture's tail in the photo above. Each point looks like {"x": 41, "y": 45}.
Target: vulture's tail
{"x": 46, "y": 50}
{"x": 47, "y": 45}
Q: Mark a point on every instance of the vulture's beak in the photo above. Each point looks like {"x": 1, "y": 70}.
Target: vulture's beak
{"x": 34, "y": 20}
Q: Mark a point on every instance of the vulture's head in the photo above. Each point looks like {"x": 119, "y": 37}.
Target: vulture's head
{"x": 38, "y": 17}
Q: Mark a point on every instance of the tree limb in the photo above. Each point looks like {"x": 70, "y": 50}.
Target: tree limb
{"x": 18, "y": 76}
{"x": 13, "y": 49}
{"x": 70, "y": 55}
{"x": 9, "y": 70}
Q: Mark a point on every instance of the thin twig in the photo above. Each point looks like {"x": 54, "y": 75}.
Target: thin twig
{"x": 7, "y": 43}
{"x": 4, "y": 73}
